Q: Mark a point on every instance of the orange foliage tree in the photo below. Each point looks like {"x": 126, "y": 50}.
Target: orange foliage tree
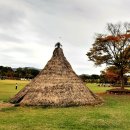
{"x": 113, "y": 48}
{"x": 112, "y": 74}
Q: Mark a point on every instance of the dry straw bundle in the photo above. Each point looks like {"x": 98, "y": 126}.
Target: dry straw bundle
{"x": 56, "y": 85}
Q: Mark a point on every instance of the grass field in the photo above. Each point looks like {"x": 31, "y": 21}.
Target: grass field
{"x": 114, "y": 114}
{"x": 7, "y": 88}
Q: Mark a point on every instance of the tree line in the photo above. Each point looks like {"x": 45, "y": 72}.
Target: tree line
{"x": 18, "y": 73}
{"x": 108, "y": 76}
{"x": 94, "y": 78}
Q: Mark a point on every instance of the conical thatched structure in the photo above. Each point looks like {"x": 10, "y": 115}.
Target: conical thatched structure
{"x": 56, "y": 85}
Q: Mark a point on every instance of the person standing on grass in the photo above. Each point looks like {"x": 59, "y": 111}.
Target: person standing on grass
{"x": 16, "y": 86}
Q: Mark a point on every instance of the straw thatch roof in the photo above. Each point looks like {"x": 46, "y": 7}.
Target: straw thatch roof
{"x": 56, "y": 85}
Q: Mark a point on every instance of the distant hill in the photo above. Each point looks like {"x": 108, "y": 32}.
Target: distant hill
{"x": 18, "y": 73}
{"x": 14, "y": 69}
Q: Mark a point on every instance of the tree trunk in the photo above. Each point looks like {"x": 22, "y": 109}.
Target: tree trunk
{"x": 122, "y": 78}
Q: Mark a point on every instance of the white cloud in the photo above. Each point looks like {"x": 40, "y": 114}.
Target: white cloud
{"x": 30, "y": 28}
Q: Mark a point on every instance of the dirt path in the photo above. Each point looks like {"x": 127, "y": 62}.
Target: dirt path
{"x": 5, "y": 105}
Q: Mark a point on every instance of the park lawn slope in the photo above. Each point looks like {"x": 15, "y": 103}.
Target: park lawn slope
{"x": 110, "y": 116}
{"x": 114, "y": 114}
{"x": 7, "y": 88}
{"x": 97, "y": 89}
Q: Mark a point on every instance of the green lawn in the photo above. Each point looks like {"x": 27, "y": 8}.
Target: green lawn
{"x": 95, "y": 88}
{"x": 114, "y": 114}
{"x": 7, "y": 88}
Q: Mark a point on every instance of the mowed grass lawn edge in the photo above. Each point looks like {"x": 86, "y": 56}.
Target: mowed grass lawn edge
{"x": 114, "y": 114}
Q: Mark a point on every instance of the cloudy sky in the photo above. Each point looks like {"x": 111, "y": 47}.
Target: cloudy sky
{"x": 29, "y": 30}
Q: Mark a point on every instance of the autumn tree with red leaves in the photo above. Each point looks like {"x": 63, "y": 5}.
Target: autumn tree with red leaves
{"x": 112, "y": 75}
{"x": 113, "y": 48}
